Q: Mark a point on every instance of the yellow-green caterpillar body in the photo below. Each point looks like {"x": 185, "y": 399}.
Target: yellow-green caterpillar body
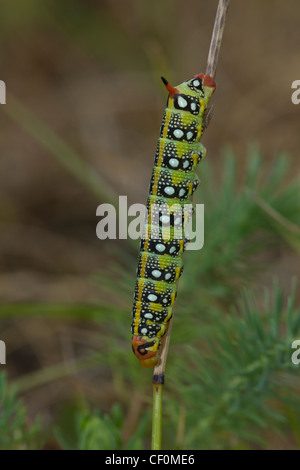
{"x": 172, "y": 184}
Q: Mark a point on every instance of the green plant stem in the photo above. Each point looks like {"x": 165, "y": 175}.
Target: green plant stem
{"x": 158, "y": 380}
{"x": 157, "y": 416}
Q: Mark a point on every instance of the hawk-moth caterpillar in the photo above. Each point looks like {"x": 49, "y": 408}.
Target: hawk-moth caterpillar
{"x": 173, "y": 182}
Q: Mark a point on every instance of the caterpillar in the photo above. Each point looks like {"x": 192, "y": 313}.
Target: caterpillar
{"x": 173, "y": 181}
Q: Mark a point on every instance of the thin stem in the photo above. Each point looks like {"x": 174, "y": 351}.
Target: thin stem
{"x": 157, "y": 416}
{"x": 216, "y": 39}
{"x": 158, "y": 383}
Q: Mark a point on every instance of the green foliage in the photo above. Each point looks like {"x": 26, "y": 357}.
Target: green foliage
{"x": 15, "y": 433}
{"x": 240, "y": 377}
{"x": 95, "y": 431}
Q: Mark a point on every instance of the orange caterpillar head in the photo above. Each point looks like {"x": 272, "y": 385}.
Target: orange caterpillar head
{"x": 145, "y": 350}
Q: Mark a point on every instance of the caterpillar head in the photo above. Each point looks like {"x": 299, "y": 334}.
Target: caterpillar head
{"x": 145, "y": 350}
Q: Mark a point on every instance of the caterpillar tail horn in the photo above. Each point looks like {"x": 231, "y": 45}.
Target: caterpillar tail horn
{"x": 172, "y": 90}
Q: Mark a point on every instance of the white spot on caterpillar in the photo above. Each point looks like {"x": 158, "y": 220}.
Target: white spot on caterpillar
{"x": 172, "y": 249}
{"x": 148, "y": 315}
{"x": 165, "y": 219}
{"x": 186, "y": 164}
{"x": 178, "y": 133}
{"x": 189, "y": 135}
{"x": 160, "y": 247}
{"x": 152, "y": 297}
{"x": 165, "y": 301}
{"x": 182, "y": 102}
{"x": 174, "y": 162}
{"x": 156, "y": 273}
{"x": 193, "y": 106}
{"x": 181, "y": 192}
{"x": 144, "y": 331}
{"x": 168, "y": 276}
{"x": 196, "y": 83}
{"x": 177, "y": 221}
{"x": 169, "y": 190}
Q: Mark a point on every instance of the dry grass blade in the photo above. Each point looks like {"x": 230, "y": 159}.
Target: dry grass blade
{"x": 216, "y": 39}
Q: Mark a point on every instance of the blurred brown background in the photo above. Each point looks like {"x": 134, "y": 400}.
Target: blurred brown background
{"x": 90, "y": 71}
